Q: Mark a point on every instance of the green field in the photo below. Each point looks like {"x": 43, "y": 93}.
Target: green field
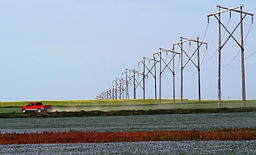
{"x": 110, "y": 105}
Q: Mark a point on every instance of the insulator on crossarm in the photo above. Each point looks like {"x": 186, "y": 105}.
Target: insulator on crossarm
{"x": 229, "y": 14}
{"x": 252, "y": 19}
{"x": 208, "y": 20}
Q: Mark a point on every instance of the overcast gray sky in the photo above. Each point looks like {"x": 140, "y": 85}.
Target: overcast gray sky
{"x": 73, "y": 49}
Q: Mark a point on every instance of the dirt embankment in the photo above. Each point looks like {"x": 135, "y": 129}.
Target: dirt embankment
{"x": 124, "y": 112}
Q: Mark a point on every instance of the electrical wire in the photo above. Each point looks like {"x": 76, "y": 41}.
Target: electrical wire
{"x": 237, "y": 53}
{"x": 234, "y": 58}
{"x": 212, "y": 56}
{"x": 206, "y": 29}
{"x": 215, "y": 51}
{"x": 250, "y": 55}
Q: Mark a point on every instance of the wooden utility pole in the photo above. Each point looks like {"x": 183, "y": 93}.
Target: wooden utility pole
{"x": 217, "y": 15}
{"x": 120, "y": 88}
{"x": 242, "y": 58}
{"x": 181, "y": 71}
{"x": 116, "y": 92}
{"x": 198, "y": 65}
{"x": 123, "y": 90}
{"x": 127, "y": 85}
{"x": 107, "y": 94}
{"x": 173, "y": 78}
{"x": 155, "y": 62}
{"x": 160, "y": 78}
{"x": 219, "y": 64}
{"x": 113, "y": 93}
{"x": 144, "y": 79}
{"x": 134, "y": 84}
{"x": 126, "y": 81}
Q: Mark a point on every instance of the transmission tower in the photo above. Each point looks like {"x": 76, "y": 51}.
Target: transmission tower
{"x": 148, "y": 70}
{"x": 217, "y": 15}
{"x": 126, "y": 83}
{"x": 166, "y": 66}
{"x": 190, "y": 59}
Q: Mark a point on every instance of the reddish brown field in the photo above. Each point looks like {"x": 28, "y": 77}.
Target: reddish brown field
{"x": 102, "y": 137}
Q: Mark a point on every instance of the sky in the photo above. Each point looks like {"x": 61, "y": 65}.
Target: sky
{"x": 74, "y": 49}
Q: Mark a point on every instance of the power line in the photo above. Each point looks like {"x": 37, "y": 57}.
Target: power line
{"x": 204, "y": 35}
{"x": 250, "y": 55}
{"x": 237, "y": 53}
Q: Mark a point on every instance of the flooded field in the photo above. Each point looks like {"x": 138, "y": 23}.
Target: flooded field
{"x": 182, "y": 147}
{"x": 203, "y": 122}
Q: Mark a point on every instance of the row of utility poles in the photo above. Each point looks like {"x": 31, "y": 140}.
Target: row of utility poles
{"x": 120, "y": 89}
{"x": 137, "y": 79}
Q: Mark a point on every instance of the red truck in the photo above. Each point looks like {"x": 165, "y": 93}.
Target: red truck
{"x": 36, "y": 106}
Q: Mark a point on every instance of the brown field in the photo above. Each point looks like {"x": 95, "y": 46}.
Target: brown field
{"x": 102, "y": 137}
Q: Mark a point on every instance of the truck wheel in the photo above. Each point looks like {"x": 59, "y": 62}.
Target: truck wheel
{"x": 23, "y": 110}
{"x": 39, "y": 110}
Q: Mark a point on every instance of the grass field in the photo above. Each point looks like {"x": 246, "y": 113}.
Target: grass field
{"x": 110, "y": 105}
